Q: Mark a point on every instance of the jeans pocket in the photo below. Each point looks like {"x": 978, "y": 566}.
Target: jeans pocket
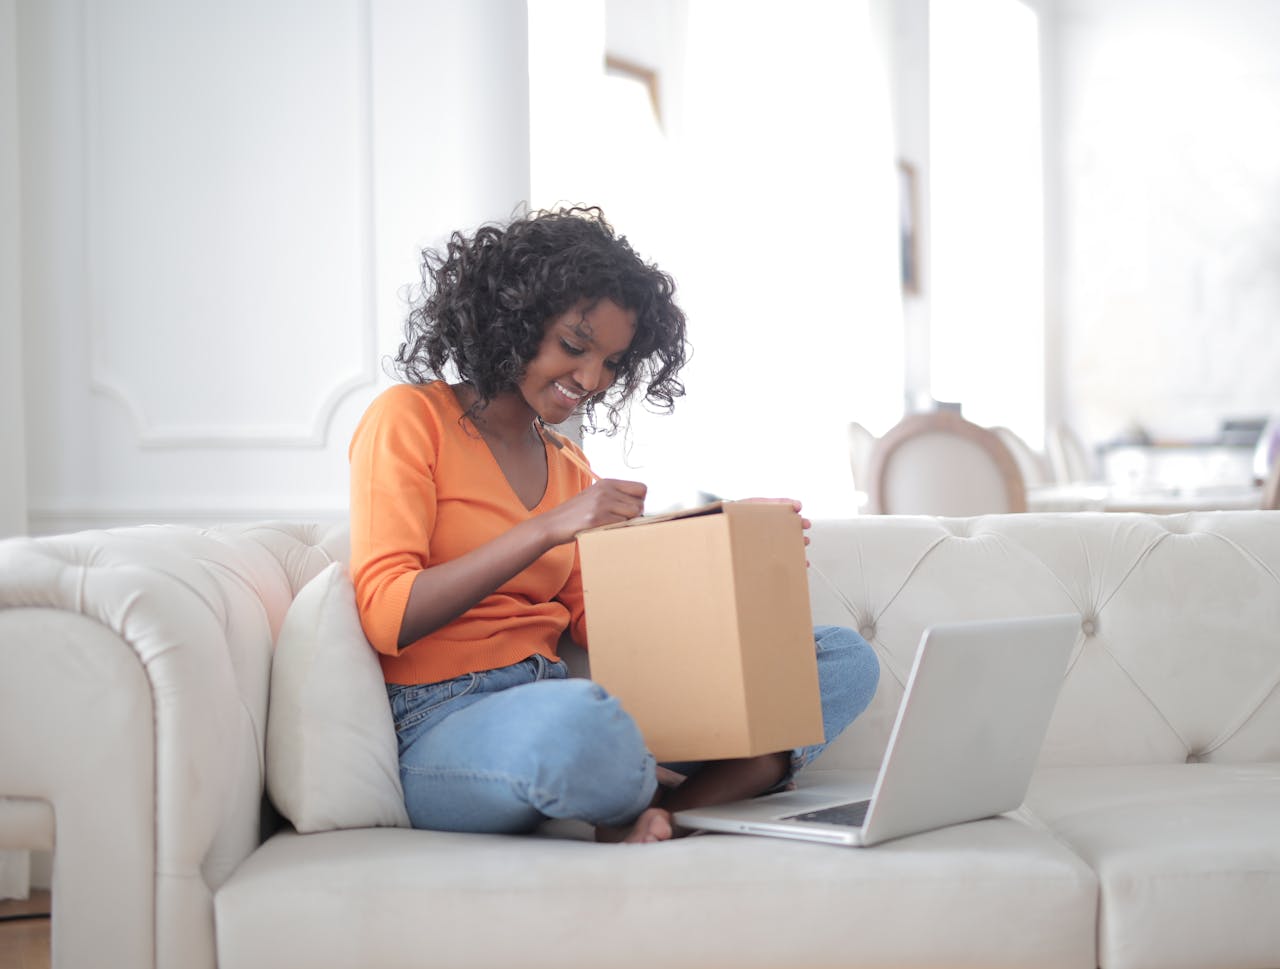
{"x": 410, "y": 706}
{"x": 550, "y": 670}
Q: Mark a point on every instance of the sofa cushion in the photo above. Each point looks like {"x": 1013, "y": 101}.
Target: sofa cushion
{"x": 331, "y": 754}
{"x": 1187, "y": 856}
{"x": 993, "y": 893}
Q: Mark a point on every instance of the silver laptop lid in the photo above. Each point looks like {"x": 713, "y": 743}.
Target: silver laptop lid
{"x": 973, "y": 719}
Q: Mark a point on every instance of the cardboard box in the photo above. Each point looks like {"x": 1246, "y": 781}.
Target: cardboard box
{"x": 699, "y": 623}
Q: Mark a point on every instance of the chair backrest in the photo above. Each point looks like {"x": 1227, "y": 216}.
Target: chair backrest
{"x": 941, "y": 464}
{"x": 861, "y": 441}
{"x": 1033, "y": 465}
{"x": 1068, "y": 457}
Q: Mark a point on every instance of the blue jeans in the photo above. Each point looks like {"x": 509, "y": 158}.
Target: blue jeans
{"x": 503, "y": 750}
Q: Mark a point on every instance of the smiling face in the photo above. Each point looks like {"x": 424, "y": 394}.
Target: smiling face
{"x": 578, "y": 358}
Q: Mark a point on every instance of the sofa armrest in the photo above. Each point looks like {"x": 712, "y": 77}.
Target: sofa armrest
{"x": 133, "y": 702}
{"x": 75, "y": 736}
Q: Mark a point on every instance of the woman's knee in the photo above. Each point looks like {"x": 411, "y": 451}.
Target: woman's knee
{"x": 848, "y": 671}
{"x": 561, "y": 749}
{"x": 595, "y": 764}
{"x": 584, "y": 717}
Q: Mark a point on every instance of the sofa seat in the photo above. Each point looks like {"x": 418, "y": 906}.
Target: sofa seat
{"x": 1187, "y": 856}
{"x": 392, "y": 897}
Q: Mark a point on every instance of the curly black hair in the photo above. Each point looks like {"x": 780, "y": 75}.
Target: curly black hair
{"x": 486, "y": 301}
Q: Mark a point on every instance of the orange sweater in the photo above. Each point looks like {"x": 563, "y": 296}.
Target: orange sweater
{"x": 426, "y": 489}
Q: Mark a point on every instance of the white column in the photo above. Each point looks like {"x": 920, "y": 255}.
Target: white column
{"x": 13, "y": 454}
{"x": 15, "y": 866}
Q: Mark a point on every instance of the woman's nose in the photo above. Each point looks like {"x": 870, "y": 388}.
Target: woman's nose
{"x": 589, "y": 374}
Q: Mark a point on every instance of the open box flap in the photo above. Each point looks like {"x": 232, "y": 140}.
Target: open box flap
{"x": 714, "y": 508}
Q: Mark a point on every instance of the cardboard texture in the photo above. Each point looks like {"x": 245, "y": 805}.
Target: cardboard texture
{"x": 700, "y": 625}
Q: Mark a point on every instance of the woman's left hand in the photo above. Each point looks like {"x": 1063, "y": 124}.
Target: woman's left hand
{"x": 805, "y": 524}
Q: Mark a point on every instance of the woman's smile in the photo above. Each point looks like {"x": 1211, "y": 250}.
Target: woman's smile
{"x": 578, "y": 358}
{"x": 568, "y": 394}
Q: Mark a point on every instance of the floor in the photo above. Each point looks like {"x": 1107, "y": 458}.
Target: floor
{"x": 24, "y": 943}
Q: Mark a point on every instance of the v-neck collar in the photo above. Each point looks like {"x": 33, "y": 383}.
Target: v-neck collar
{"x": 473, "y": 433}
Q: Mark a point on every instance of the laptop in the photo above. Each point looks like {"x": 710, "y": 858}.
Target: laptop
{"x": 965, "y": 742}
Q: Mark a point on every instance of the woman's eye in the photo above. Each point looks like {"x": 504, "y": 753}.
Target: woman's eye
{"x": 572, "y": 350}
{"x": 613, "y": 364}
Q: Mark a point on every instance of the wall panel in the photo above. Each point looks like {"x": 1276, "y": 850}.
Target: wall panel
{"x": 221, "y": 210}
{"x": 229, "y": 208}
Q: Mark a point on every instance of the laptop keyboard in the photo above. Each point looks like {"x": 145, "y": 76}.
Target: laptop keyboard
{"x": 852, "y": 814}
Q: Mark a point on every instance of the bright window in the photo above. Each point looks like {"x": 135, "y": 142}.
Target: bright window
{"x": 768, "y": 193}
{"x": 987, "y": 211}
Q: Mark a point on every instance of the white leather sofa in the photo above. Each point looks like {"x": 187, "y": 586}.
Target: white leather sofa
{"x": 134, "y": 669}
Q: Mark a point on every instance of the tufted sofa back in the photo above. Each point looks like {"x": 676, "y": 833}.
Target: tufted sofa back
{"x": 1178, "y": 657}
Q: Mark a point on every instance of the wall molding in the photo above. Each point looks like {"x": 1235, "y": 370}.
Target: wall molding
{"x": 154, "y": 432}
{"x": 316, "y": 435}
{"x": 59, "y": 518}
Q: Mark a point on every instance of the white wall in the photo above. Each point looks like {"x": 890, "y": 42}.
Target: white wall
{"x": 189, "y": 330}
{"x": 218, "y": 216}
{"x": 653, "y": 33}
{"x": 1162, "y": 208}
{"x": 1170, "y": 213}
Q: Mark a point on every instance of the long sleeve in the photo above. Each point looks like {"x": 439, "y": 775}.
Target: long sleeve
{"x": 393, "y": 511}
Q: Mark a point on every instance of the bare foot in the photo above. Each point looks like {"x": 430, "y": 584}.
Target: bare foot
{"x": 654, "y": 824}
{"x": 668, "y": 778}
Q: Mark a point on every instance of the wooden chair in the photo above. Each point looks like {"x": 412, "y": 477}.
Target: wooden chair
{"x": 941, "y": 464}
{"x": 861, "y": 442}
{"x": 1033, "y": 465}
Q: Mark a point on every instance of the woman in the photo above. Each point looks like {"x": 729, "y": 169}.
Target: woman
{"x": 464, "y": 508}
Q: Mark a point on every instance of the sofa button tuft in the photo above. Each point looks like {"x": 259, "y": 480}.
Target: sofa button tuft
{"x": 1089, "y": 627}
{"x": 867, "y": 631}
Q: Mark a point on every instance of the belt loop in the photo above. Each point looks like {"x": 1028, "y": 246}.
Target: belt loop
{"x": 541, "y": 662}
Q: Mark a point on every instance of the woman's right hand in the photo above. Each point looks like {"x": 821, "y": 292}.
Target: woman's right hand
{"x": 607, "y": 501}
{"x": 443, "y": 592}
